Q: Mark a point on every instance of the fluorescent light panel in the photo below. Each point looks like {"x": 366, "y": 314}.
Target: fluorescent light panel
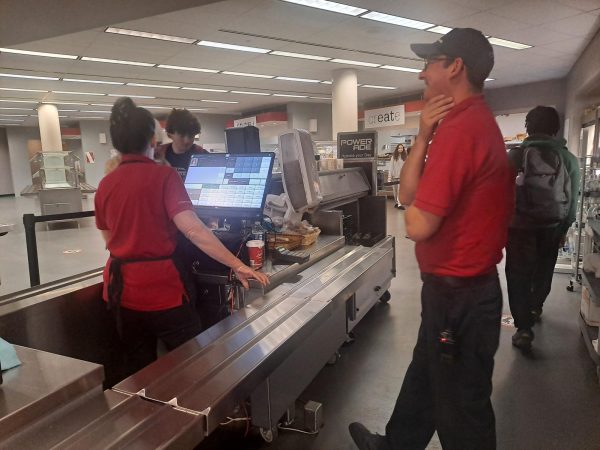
{"x": 217, "y": 101}
{"x": 7, "y": 100}
{"x": 373, "y": 86}
{"x": 22, "y": 90}
{"x": 249, "y": 93}
{"x": 327, "y": 82}
{"x": 93, "y": 104}
{"x": 15, "y": 109}
{"x": 241, "y": 48}
{"x": 144, "y": 34}
{"x": 401, "y": 69}
{"x": 68, "y": 110}
{"x": 203, "y": 89}
{"x": 321, "y": 98}
{"x": 155, "y": 107}
{"x": 397, "y": 20}
{"x": 77, "y": 93}
{"x": 289, "y": 95}
{"x": 196, "y": 109}
{"x": 65, "y": 103}
{"x": 77, "y": 80}
{"x": 300, "y": 55}
{"x": 95, "y": 112}
{"x": 302, "y": 80}
{"x": 330, "y": 6}
{"x": 439, "y": 29}
{"x": 243, "y": 74}
{"x": 27, "y": 52}
{"x": 117, "y": 61}
{"x": 131, "y": 95}
{"x": 160, "y": 86}
{"x": 31, "y": 77}
{"x": 14, "y": 115}
{"x": 13, "y": 120}
{"x": 191, "y": 69}
{"x": 90, "y": 117}
{"x": 354, "y": 63}
{"x": 509, "y": 44}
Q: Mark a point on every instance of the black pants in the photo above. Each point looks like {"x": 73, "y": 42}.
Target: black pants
{"x": 142, "y": 329}
{"x": 451, "y": 397}
{"x": 530, "y": 259}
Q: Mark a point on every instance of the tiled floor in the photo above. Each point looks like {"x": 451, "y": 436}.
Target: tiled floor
{"x": 550, "y": 400}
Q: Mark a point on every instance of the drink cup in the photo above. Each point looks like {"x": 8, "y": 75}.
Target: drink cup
{"x": 256, "y": 253}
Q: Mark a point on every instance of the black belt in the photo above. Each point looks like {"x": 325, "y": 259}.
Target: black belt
{"x": 459, "y": 282}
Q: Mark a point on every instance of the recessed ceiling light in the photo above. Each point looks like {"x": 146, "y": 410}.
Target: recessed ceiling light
{"x": 27, "y": 52}
{"x": 191, "y": 69}
{"x": 31, "y": 77}
{"x": 131, "y": 95}
{"x": 13, "y": 120}
{"x": 77, "y": 80}
{"x": 143, "y": 34}
{"x": 8, "y": 100}
{"x": 300, "y": 55}
{"x": 16, "y": 109}
{"x": 241, "y": 48}
{"x": 330, "y": 6}
{"x": 161, "y": 86}
{"x": 490, "y": 79}
{"x": 217, "y": 101}
{"x": 77, "y": 93}
{"x": 377, "y": 87}
{"x": 22, "y": 90}
{"x": 117, "y": 61}
{"x": 243, "y": 74}
{"x": 250, "y": 93}
{"x": 203, "y": 89}
{"x": 509, "y": 44}
{"x": 327, "y": 82}
{"x": 397, "y": 20}
{"x": 14, "y": 115}
{"x": 289, "y": 95}
{"x": 303, "y": 80}
{"x": 401, "y": 69}
{"x": 439, "y": 29}
{"x": 354, "y": 63}
{"x": 321, "y": 98}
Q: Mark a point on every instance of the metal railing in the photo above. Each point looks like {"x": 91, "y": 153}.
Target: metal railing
{"x": 29, "y": 221}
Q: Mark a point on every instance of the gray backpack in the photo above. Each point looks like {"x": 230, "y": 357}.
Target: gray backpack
{"x": 543, "y": 186}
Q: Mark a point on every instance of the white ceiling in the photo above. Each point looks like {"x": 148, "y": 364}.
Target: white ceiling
{"x": 558, "y": 30}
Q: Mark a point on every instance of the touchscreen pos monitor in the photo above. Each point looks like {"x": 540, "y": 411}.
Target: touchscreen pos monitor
{"x": 229, "y": 185}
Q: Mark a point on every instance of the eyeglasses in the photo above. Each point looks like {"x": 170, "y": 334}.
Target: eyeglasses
{"x": 428, "y": 61}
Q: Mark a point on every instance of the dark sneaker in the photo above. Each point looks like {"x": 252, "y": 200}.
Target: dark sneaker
{"x": 522, "y": 339}
{"x": 401, "y": 207}
{"x": 364, "y": 439}
{"x": 536, "y": 314}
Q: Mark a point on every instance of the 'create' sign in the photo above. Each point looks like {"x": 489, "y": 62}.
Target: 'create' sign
{"x": 384, "y": 117}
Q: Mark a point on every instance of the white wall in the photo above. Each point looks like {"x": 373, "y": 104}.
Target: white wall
{"x": 299, "y": 115}
{"x": 6, "y": 183}
{"x": 90, "y": 142}
{"x": 20, "y": 169}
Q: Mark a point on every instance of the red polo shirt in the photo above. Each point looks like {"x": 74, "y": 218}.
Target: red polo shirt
{"x": 467, "y": 180}
{"x": 137, "y": 202}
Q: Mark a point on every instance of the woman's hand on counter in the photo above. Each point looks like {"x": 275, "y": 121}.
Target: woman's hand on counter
{"x": 244, "y": 273}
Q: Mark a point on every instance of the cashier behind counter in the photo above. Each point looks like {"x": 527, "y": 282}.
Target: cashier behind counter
{"x": 139, "y": 208}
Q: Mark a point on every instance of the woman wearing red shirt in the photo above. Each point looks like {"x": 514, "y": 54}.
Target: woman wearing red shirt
{"x": 139, "y": 208}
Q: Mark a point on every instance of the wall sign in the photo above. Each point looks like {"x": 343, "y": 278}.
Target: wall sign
{"x": 384, "y": 117}
{"x": 357, "y": 145}
{"x": 245, "y": 122}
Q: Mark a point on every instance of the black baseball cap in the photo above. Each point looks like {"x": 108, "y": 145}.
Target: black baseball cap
{"x": 466, "y": 43}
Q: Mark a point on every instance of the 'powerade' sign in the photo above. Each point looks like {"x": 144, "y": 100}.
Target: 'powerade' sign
{"x": 384, "y": 117}
{"x": 357, "y": 145}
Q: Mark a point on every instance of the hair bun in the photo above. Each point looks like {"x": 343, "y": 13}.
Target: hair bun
{"x": 122, "y": 110}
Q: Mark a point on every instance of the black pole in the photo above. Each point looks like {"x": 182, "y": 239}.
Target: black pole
{"x": 32, "y": 253}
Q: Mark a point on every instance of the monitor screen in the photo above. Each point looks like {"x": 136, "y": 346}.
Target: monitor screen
{"x": 226, "y": 185}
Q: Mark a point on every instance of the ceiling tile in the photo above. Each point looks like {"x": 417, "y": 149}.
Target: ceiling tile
{"x": 536, "y": 12}
{"x": 489, "y": 24}
{"x": 584, "y": 5}
{"x": 579, "y": 25}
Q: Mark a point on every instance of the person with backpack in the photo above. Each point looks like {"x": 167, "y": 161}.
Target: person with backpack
{"x": 547, "y": 185}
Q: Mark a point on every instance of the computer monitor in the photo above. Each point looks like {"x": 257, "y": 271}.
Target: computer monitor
{"x": 242, "y": 140}
{"x": 229, "y": 186}
{"x": 299, "y": 170}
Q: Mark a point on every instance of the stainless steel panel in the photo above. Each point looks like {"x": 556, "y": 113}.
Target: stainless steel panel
{"x": 42, "y": 382}
{"x": 342, "y": 186}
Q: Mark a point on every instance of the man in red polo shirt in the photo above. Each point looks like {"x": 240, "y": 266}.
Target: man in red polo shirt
{"x": 459, "y": 185}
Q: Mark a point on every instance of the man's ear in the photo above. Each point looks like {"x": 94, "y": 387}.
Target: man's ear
{"x": 457, "y": 67}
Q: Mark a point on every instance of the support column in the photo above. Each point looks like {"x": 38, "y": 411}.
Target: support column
{"x": 344, "y": 99}
{"x": 49, "y": 128}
